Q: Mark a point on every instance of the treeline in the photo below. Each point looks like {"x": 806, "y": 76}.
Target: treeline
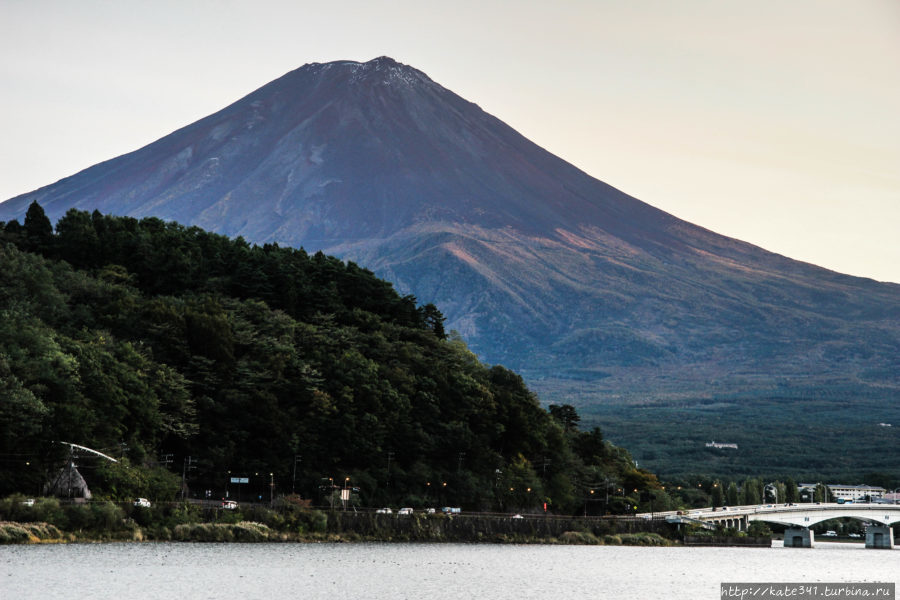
{"x": 193, "y": 357}
{"x": 291, "y": 519}
{"x": 703, "y": 491}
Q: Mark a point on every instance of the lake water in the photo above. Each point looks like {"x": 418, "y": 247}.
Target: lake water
{"x": 432, "y": 571}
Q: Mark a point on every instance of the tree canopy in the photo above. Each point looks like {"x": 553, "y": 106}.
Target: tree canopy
{"x": 170, "y": 346}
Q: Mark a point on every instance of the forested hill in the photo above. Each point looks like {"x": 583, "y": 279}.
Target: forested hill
{"x": 144, "y": 339}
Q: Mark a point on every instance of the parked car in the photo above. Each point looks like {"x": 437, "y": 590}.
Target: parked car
{"x": 405, "y": 511}
{"x": 430, "y": 511}
{"x": 28, "y": 502}
{"x": 229, "y": 505}
{"x": 142, "y": 502}
{"x": 517, "y": 516}
{"x": 830, "y": 533}
{"x": 384, "y": 511}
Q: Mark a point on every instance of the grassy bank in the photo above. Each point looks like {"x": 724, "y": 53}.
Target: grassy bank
{"x": 29, "y": 533}
{"x": 250, "y": 532}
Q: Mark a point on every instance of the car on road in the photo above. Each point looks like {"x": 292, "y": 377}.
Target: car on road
{"x": 384, "y": 511}
{"x": 830, "y": 533}
{"x": 405, "y": 511}
{"x": 855, "y": 535}
{"x": 229, "y": 505}
{"x": 142, "y": 502}
{"x": 517, "y": 516}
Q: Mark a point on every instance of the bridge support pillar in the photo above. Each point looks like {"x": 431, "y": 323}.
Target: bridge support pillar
{"x": 798, "y": 537}
{"x": 879, "y": 536}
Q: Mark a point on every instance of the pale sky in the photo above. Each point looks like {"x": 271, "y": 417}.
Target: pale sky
{"x": 774, "y": 121}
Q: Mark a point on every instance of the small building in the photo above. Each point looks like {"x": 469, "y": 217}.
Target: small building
{"x": 720, "y": 445}
{"x": 891, "y": 498}
{"x": 68, "y": 483}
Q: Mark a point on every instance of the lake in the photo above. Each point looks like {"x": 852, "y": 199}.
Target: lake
{"x": 433, "y": 571}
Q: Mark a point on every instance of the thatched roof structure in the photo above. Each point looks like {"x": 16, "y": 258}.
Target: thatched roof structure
{"x": 68, "y": 483}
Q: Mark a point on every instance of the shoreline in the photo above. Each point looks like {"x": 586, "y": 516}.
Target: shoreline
{"x": 102, "y": 522}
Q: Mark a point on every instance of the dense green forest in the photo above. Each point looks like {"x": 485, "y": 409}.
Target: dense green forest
{"x": 193, "y": 357}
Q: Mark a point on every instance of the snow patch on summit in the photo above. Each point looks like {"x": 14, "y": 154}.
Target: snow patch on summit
{"x": 315, "y": 156}
{"x": 256, "y": 117}
{"x": 388, "y": 70}
{"x": 382, "y": 70}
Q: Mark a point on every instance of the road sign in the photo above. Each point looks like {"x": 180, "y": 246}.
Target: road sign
{"x": 240, "y": 480}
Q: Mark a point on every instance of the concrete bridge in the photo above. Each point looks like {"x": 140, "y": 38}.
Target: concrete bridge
{"x": 798, "y": 518}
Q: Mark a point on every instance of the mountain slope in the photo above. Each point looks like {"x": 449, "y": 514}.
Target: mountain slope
{"x": 539, "y": 266}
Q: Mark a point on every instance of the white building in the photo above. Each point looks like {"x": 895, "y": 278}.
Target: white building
{"x": 856, "y": 492}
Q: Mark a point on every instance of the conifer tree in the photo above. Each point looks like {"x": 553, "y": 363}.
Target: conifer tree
{"x": 38, "y": 229}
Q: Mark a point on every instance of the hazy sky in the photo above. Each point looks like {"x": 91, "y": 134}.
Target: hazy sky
{"x": 773, "y": 121}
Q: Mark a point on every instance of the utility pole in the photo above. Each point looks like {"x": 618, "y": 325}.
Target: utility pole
{"x": 71, "y": 469}
{"x": 297, "y": 458}
{"x": 271, "y": 490}
{"x": 390, "y": 458}
{"x": 188, "y": 460}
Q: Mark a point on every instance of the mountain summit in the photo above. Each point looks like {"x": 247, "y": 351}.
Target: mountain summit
{"x": 537, "y": 264}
